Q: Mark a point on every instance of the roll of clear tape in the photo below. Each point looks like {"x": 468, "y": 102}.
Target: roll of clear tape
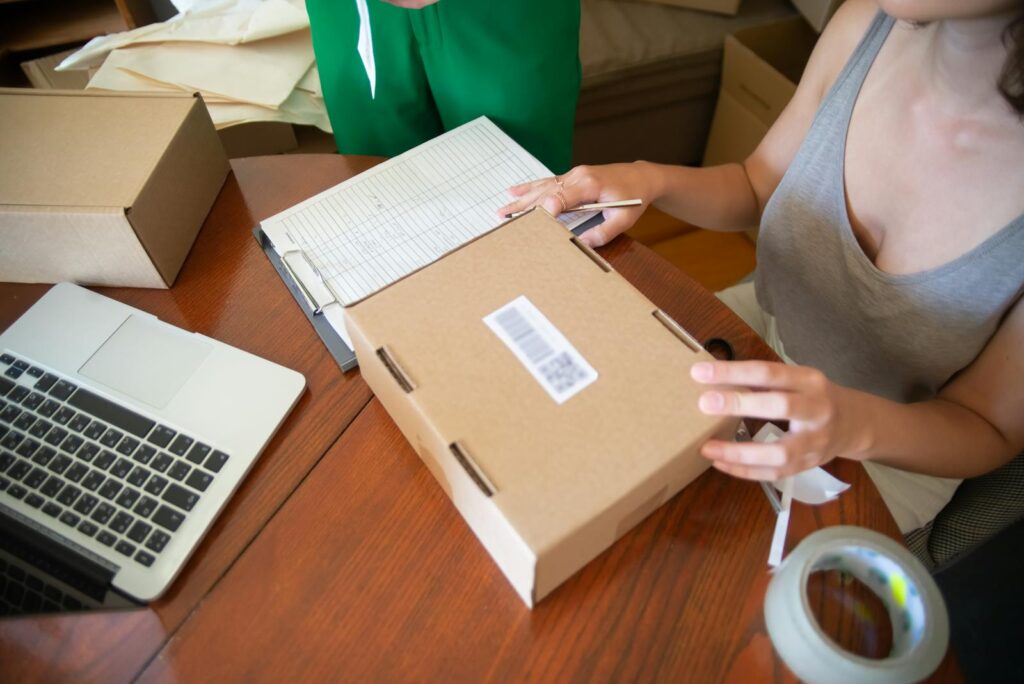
{"x": 920, "y": 624}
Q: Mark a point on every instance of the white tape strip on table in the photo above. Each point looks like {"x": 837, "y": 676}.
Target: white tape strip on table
{"x": 920, "y": 624}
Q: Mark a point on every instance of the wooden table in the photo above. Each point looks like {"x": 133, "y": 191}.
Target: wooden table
{"x": 340, "y": 558}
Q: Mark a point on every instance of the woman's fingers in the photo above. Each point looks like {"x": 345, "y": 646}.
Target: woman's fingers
{"x": 764, "y": 374}
{"x": 764, "y": 461}
{"x": 771, "y": 405}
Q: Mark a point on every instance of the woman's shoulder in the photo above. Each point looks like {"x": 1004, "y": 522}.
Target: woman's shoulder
{"x": 838, "y": 41}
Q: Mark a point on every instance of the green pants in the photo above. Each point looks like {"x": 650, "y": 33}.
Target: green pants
{"x": 515, "y": 61}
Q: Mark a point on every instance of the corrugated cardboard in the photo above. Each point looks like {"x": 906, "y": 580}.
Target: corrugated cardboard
{"x": 545, "y": 487}
{"x": 258, "y": 137}
{"x": 103, "y": 189}
{"x": 41, "y": 73}
{"x": 761, "y": 68}
{"x": 817, "y": 12}
{"x": 730, "y": 7}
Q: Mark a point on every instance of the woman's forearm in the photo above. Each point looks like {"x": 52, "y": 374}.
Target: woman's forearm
{"x": 716, "y": 197}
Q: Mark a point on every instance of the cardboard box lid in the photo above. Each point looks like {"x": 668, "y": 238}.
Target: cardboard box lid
{"x": 553, "y": 467}
{"x": 68, "y": 148}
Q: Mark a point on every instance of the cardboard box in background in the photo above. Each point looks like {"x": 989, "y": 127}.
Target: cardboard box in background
{"x": 545, "y": 486}
{"x": 817, "y": 12}
{"x": 244, "y": 140}
{"x": 103, "y": 189}
{"x": 730, "y": 7}
{"x": 761, "y": 68}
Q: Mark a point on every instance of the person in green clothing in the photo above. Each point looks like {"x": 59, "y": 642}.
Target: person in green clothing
{"x": 441, "y": 63}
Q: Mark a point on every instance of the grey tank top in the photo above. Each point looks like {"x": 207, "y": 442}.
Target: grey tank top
{"x": 897, "y": 336}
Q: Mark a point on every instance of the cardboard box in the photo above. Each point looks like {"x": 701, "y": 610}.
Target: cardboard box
{"x": 42, "y": 73}
{"x": 103, "y": 189}
{"x": 761, "y": 68}
{"x": 730, "y": 7}
{"x": 258, "y": 137}
{"x": 545, "y": 486}
{"x": 817, "y": 12}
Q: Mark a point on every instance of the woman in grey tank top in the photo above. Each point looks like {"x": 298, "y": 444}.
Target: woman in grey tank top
{"x": 890, "y": 195}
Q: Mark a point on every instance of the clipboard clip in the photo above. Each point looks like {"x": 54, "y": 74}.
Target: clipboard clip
{"x": 318, "y": 307}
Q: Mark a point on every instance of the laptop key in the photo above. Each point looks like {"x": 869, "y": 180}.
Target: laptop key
{"x": 71, "y": 444}
{"x": 76, "y": 472}
{"x": 55, "y": 436}
{"x": 51, "y": 509}
{"x": 144, "y": 558}
{"x": 115, "y": 414}
{"x": 198, "y": 453}
{"x": 11, "y": 440}
{"x": 19, "y": 470}
{"x": 40, "y": 428}
{"x": 216, "y": 461}
{"x": 127, "y": 446}
{"x": 17, "y": 491}
{"x": 168, "y": 518}
{"x": 52, "y": 486}
{"x": 35, "y": 478}
{"x": 13, "y": 372}
{"x": 110, "y": 489}
{"x": 62, "y": 390}
{"x": 44, "y": 455}
{"x": 162, "y": 462}
{"x": 79, "y": 422}
{"x": 121, "y": 468}
{"x": 178, "y": 471}
{"x": 28, "y": 447}
{"x": 35, "y": 371}
{"x": 87, "y": 451}
{"x": 125, "y": 548}
{"x": 156, "y": 485}
{"x": 6, "y": 359}
{"x": 59, "y": 463}
{"x": 161, "y": 436}
{"x": 24, "y": 421}
{"x": 34, "y": 500}
{"x": 18, "y": 393}
{"x": 69, "y": 518}
{"x": 138, "y": 476}
{"x": 9, "y": 413}
{"x": 103, "y": 513}
{"x": 144, "y": 454}
{"x": 146, "y": 506}
{"x": 181, "y": 445}
{"x": 63, "y": 415}
{"x": 20, "y": 364}
{"x": 93, "y": 480}
{"x": 199, "y": 480}
{"x": 95, "y": 429}
{"x": 87, "y": 528}
{"x": 86, "y": 503}
{"x": 33, "y": 401}
{"x": 68, "y": 495}
{"x": 49, "y": 407}
{"x": 6, "y": 459}
{"x": 139, "y": 531}
{"x": 44, "y": 383}
{"x": 106, "y": 538}
{"x": 104, "y": 460}
{"x": 157, "y": 541}
{"x": 181, "y": 497}
{"x": 111, "y": 437}
{"x": 128, "y": 497}
{"x": 121, "y": 522}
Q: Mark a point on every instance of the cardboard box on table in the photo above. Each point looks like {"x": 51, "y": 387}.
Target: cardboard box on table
{"x": 103, "y": 189}
{"x": 545, "y": 486}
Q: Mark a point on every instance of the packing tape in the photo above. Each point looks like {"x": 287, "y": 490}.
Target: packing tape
{"x": 920, "y": 625}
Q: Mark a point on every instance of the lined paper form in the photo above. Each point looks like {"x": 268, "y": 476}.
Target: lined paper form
{"x": 407, "y": 212}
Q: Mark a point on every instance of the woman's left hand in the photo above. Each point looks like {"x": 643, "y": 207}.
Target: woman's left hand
{"x": 823, "y": 417}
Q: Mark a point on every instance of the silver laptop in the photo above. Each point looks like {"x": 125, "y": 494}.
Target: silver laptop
{"x": 121, "y": 439}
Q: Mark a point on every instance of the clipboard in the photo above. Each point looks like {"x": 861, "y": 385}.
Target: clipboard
{"x": 345, "y": 357}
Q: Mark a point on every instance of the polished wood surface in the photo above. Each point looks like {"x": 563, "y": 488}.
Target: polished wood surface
{"x": 340, "y": 558}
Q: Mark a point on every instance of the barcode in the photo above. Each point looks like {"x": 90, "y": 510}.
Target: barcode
{"x": 524, "y": 335}
{"x": 541, "y": 348}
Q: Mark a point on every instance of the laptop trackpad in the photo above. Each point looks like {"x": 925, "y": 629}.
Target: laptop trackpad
{"x": 147, "y": 360}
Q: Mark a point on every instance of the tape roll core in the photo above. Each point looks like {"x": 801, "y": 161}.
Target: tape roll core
{"x": 918, "y": 613}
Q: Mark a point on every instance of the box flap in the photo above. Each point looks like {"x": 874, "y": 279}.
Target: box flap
{"x": 65, "y": 148}
{"x": 550, "y": 467}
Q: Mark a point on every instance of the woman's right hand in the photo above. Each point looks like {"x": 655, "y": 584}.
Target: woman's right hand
{"x": 587, "y": 184}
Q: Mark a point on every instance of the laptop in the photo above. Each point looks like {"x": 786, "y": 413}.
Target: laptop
{"x": 121, "y": 440}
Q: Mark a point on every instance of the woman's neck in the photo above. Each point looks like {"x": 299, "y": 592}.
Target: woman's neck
{"x": 962, "y": 64}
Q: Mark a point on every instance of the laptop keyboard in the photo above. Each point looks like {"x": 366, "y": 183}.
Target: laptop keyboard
{"x": 96, "y": 466}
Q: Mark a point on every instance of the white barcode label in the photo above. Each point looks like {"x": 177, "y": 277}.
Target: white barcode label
{"x": 541, "y": 348}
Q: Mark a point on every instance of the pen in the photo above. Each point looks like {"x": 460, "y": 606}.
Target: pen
{"x": 591, "y": 206}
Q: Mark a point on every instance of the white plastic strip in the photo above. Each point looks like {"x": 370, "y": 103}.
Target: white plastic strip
{"x": 364, "y": 45}
{"x": 541, "y": 348}
{"x": 920, "y": 624}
